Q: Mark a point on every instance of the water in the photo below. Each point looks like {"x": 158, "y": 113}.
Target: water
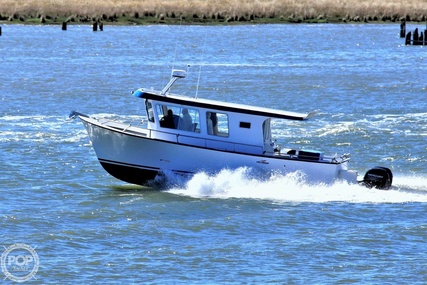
{"x": 368, "y": 89}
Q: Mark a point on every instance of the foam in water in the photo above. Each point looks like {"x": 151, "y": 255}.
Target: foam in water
{"x": 293, "y": 187}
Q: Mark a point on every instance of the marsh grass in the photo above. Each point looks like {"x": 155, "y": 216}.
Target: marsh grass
{"x": 138, "y": 11}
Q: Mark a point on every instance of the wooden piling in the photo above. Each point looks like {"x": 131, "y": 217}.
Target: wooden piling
{"x": 64, "y": 26}
{"x": 101, "y": 27}
{"x": 402, "y": 29}
{"x": 95, "y": 27}
{"x": 415, "y": 40}
{"x": 0, "y": 31}
{"x": 408, "y": 38}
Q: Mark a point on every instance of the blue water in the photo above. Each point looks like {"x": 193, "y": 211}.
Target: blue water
{"x": 369, "y": 91}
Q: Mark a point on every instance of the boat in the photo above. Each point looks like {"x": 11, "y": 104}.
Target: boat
{"x": 185, "y": 135}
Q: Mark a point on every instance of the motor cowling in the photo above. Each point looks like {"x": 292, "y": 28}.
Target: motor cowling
{"x": 378, "y": 177}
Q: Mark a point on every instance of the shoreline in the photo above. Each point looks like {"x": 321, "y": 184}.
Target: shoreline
{"x": 194, "y": 20}
{"x": 202, "y": 12}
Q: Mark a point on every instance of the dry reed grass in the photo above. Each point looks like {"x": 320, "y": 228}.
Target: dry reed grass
{"x": 212, "y": 9}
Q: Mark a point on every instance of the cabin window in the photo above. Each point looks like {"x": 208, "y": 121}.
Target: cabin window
{"x": 150, "y": 113}
{"x": 217, "y": 124}
{"x": 245, "y": 125}
{"x": 177, "y": 117}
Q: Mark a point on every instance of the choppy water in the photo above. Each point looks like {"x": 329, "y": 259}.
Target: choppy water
{"x": 370, "y": 92}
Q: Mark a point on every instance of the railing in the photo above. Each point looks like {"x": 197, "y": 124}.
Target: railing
{"x": 305, "y": 155}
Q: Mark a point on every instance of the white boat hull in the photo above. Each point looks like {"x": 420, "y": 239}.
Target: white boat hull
{"x": 136, "y": 155}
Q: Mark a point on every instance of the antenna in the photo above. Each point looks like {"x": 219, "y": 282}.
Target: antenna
{"x": 200, "y": 66}
{"x": 176, "y": 48}
{"x": 173, "y": 61}
{"x": 198, "y": 80}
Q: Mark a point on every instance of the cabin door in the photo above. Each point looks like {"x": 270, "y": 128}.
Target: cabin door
{"x": 266, "y": 130}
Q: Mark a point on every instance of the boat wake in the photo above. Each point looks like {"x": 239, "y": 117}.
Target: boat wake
{"x": 241, "y": 183}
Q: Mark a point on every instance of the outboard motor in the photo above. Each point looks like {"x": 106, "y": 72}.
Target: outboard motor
{"x": 378, "y": 177}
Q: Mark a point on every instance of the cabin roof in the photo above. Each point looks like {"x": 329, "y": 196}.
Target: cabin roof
{"x": 220, "y": 106}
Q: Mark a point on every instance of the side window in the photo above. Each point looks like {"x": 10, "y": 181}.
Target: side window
{"x": 217, "y": 124}
{"x": 180, "y": 118}
{"x": 150, "y": 113}
{"x": 189, "y": 120}
{"x": 245, "y": 125}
